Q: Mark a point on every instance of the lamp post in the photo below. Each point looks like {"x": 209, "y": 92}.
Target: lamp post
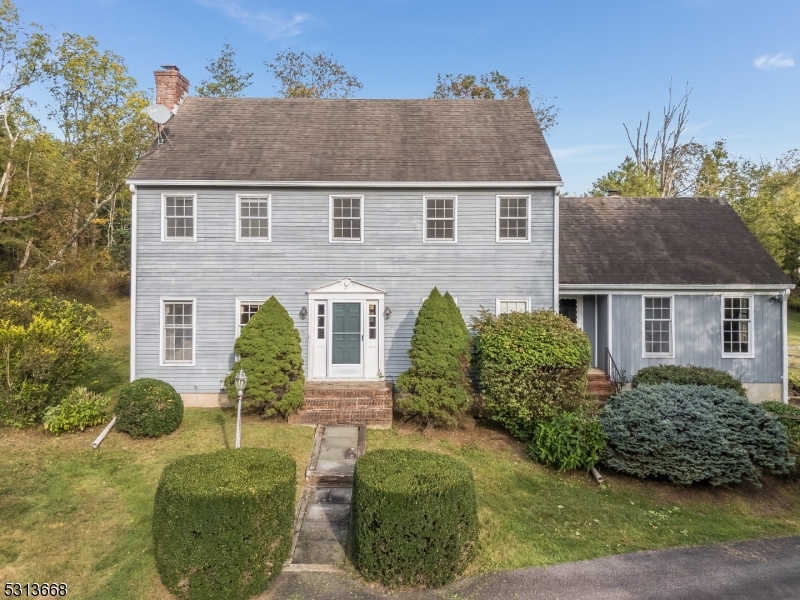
{"x": 241, "y": 383}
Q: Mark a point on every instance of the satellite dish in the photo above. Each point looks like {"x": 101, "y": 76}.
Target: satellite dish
{"x": 159, "y": 113}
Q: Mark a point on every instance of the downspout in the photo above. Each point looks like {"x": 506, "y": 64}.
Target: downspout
{"x": 133, "y": 283}
{"x": 556, "y": 197}
{"x": 785, "y": 334}
{"x": 610, "y": 324}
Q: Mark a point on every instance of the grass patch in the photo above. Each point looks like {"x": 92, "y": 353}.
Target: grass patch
{"x": 531, "y": 516}
{"x": 794, "y": 328}
{"x": 81, "y": 516}
{"x": 112, "y": 370}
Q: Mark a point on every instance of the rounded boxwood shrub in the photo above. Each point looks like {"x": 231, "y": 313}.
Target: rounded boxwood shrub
{"x": 692, "y": 433}
{"x": 415, "y": 519}
{"x": 270, "y": 354}
{"x": 568, "y": 441}
{"x": 687, "y": 375}
{"x": 532, "y": 367}
{"x": 434, "y": 389}
{"x": 222, "y": 522}
{"x": 149, "y": 408}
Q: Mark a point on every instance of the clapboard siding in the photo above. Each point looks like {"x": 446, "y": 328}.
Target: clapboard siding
{"x": 698, "y": 323}
{"x": 215, "y": 270}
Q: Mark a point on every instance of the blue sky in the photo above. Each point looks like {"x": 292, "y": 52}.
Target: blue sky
{"x": 605, "y": 63}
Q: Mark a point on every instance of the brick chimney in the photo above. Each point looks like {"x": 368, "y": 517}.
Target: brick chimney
{"x": 171, "y": 87}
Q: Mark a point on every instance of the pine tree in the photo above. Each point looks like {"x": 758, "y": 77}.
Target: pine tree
{"x": 434, "y": 387}
{"x": 269, "y": 352}
{"x": 226, "y": 79}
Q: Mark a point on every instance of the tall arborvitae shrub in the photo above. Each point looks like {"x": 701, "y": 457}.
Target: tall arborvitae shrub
{"x": 269, "y": 352}
{"x": 434, "y": 389}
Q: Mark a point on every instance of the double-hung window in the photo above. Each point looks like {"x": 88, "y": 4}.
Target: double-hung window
{"x": 347, "y": 221}
{"x": 737, "y": 326}
{"x": 440, "y": 219}
{"x": 509, "y": 305}
{"x": 513, "y": 218}
{"x": 178, "y": 331}
{"x": 247, "y": 308}
{"x": 178, "y": 223}
{"x": 658, "y": 313}
{"x": 254, "y": 218}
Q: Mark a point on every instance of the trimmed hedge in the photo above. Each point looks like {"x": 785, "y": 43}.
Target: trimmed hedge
{"x": 415, "y": 517}
{"x": 687, "y": 375}
{"x": 434, "y": 389}
{"x": 149, "y": 408}
{"x": 269, "y": 352}
{"x": 783, "y": 412}
{"x": 692, "y": 433}
{"x": 222, "y": 522}
{"x": 532, "y": 367}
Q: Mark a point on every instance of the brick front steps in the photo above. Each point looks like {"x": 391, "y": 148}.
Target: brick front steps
{"x": 600, "y": 386}
{"x": 346, "y": 403}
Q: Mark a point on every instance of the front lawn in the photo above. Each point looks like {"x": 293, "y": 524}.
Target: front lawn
{"x": 531, "y": 516}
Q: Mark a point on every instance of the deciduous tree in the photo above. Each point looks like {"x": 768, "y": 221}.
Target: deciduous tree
{"x": 303, "y": 75}
{"x": 225, "y": 78}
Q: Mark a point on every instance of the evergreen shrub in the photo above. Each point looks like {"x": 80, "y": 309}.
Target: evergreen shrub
{"x": 222, "y": 522}
{"x": 79, "y": 410}
{"x": 568, "y": 441}
{"x": 692, "y": 433}
{"x": 784, "y": 413}
{"x": 48, "y": 346}
{"x": 270, "y": 354}
{"x": 687, "y": 375}
{"x": 149, "y": 408}
{"x": 531, "y": 367}
{"x": 415, "y": 519}
{"x": 434, "y": 390}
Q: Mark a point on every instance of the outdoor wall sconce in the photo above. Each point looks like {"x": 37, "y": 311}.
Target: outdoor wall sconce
{"x": 303, "y": 313}
{"x": 387, "y": 312}
{"x": 776, "y": 298}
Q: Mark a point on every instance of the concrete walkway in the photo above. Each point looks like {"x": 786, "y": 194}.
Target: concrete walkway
{"x": 323, "y": 522}
{"x": 752, "y": 570}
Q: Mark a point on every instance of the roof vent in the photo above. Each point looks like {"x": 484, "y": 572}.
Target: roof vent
{"x": 613, "y": 193}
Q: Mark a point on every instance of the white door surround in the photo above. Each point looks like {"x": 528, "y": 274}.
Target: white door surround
{"x": 320, "y": 331}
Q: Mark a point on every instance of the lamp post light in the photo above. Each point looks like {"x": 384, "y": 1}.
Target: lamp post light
{"x": 241, "y": 383}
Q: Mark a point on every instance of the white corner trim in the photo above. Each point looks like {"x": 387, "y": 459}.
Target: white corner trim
{"x": 179, "y": 240}
{"x": 556, "y": 207}
{"x": 346, "y": 184}
{"x": 238, "y": 219}
{"x": 645, "y": 353}
{"x": 184, "y": 363}
{"x": 610, "y": 324}
{"x": 425, "y": 199}
{"x": 497, "y": 219}
{"x": 331, "y": 239}
{"x": 751, "y": 329}
{"x": 134, "y": 245}
{"x": 784, "y": 335}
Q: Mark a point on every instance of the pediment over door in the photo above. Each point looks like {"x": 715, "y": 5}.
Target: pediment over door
{"x": 346, "y": 286}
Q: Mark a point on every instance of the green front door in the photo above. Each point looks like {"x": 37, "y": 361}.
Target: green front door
{"x": 346, "y": 339}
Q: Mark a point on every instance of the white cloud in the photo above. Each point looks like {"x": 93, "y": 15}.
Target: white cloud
{"x": 267, "y": 23}
{"x": 781, "y": 60}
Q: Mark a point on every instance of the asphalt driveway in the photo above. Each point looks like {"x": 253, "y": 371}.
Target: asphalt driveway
{"x": 752, "y": 570}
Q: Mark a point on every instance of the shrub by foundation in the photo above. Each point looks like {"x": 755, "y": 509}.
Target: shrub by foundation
{"x": 687, "y": 375}
{"x": 415, "y": 520}
{"x": 692, "y": 433}
{"x": 568, "y": 441}
{"x": 784, "y": 413}
{"x": 149, "y": 408}
{"x": 222, "y": 522}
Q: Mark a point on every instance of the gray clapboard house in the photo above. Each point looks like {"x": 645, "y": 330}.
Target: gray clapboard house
{"x": 351, "y": 211}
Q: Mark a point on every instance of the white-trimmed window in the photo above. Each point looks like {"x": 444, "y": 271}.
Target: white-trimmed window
{"x": 178, "y": 221}
{"x": 572, "y": 308}
{"x": 254, "y": 219}
{"x": 657, "y": 318}
{"x": 440, "y": 218}
{"x": 177, "y": 317}
{"x": 509, "y": 305}
{"x": 247, "y": 308}
{"x": 737, "y": 326}
{"x": 513, "y": 218}
{"x": 347, "y": 220}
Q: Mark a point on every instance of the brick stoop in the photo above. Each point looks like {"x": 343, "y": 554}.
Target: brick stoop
{"x": 347, "y": 403}
{"x": 600, "y": 386}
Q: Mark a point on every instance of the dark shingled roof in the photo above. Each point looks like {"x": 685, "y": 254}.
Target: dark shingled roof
{"x": 269, "y": 139}
{"x": 671, "y": 241}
